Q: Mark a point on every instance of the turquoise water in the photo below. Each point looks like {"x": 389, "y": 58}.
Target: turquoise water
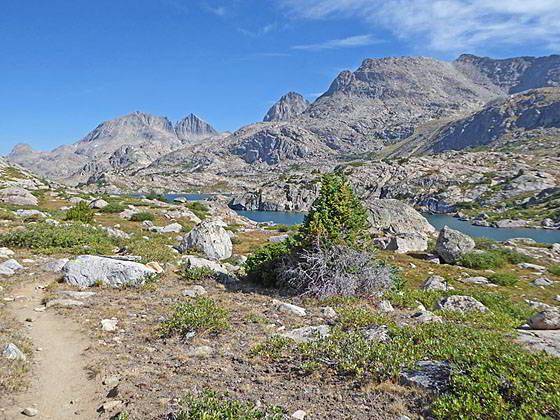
{"x": 540, "y": 235}
{"x": 437, "y": 220}
{"x": 280, "y": 217}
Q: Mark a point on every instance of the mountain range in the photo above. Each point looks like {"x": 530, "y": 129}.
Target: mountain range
{"x": 395, "y": 106}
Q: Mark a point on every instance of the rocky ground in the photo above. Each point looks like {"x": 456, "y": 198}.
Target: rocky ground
{"x": 71, "y": 351}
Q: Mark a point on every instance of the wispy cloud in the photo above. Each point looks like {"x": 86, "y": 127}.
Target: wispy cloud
{"x": 349, "y": 42}
{"x": 446, "y": 25}
{"x": 254, "y": 33}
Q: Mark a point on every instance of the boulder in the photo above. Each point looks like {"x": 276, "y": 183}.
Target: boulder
{"x": 452, "y": 244}
{"x": 18, "y": 196}
{"x": 172, "y": 228}
{"x": 288, "y": 308}
{"x": 12, "y": 352}
{"x": 431, "y": 375}
{"x": 308, "y": 334}
{"x": 87, "y": 270}
{"x": 98, "y": 204}
{"x": 197, "y": 262}
{"x": 393, "y": 217}
{"x": 195, "y": 291}
{"x": 6, "y": 253}
{"x": 436, "y": 283}
{"x": 377, "y": 333}
{"x": 475, "y": 280}
{"x": 30, "y": 213}
{"x": 407, "y": 242}
{"x": 460, "y": 304}
{"x": 549, "y": 319}
{"x": 209, "y": 238}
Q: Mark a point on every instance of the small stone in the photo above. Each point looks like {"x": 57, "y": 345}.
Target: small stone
{"x": 385, "y": 306}
{"x": 428, "y": 374}
{"x": 542, "y": 281}
{"x": 427, "y": 316}
{"x": 64, "y": 303}
{"x": 548, "y": 319}
{"x": 307, "y": 334}
{"x": 475, "y": 280}
{"x": 289, "y": 308}
{"x": 109, "y": 324}
{"x": 40, "y": 309}
{"x": 30, "y": 412}
{"x": 200, "y": 351}
{"x": 111, "y": 381}
{"x": 529, "y": 266}
{"x": 155, "y": 266}
{"x": 300, "y": 415}
{"x": 328, "y": 312}
{"x": 460, "y": 304}
{"x": 110, "y": 405}
{"x": 436, "y": 283}
{"x": 12, "y": 352}
{"x": 195, "y": 291}
{"x": 377, "y": 333}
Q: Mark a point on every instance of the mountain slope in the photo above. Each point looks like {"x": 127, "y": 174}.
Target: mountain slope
{"x": 287, "y": 108}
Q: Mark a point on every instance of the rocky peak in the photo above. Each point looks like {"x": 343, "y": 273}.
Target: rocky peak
{"x": 288, "y": 107}
{"x": 517, "y": 74}
{"x": 192, "y": 128}
{"x": 21, "y": 148}
{"x": 137, "y": 124}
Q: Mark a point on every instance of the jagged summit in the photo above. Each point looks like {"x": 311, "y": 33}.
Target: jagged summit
{"x": 193, "y": 128}
{"x": 287, "y": 108}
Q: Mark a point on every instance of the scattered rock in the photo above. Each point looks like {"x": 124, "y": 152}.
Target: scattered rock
{"x": 549, "y": 319}
{"x": 460, "y": 304}
{"x": 431, "y": 375}
{"x": 475, "y": 280}
{"x": 64, "y": 303}
{"x": 197, "y": 262}
{"x": 12, "y": 352}
{"x": 156, "y": 267}
{"x": 30, "y": 412}
{"x": 289, "y": 308}
{"x": 210, "y": 238}
{"x": 452, "y": 244}
{"x": 424, "y": 316}
{"x": 172, "y": 228}
{"x": 436, "y": 283}
{"x": 6, "y": 253}
{"x": 55, "y": 266}
{"x": 199, "y": 351}
{"x": 385, "y": 306}
{"x": 308, "y": 334}
{"x": 109, "y": 324}
{"x": 542, "y": 282}
{"x": 30, "y": 213}
{"x": 87, "y": 270}
{"x": 299, "y": 415}
{"x": 98, "y": 204}
{"x": 529, "y": 266}
{"x": 110, "y": 406}
{"x": 195, "y": 291}
{"x": 328, "y": 312}
{"x": 377, "y": 333}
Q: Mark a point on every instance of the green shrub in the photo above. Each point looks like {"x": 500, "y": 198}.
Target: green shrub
{"x": 199, "y": 209}
{"x": 213, "y": 406}
{"x": 142, "y": 216}
{"x": 201, "y": 315}
{"x": 555, "y": 269}
{"x": 7, "y": 215}
{"x": 504, "y": 278}
{"x": 482, "y": 261}
{"x": 156, "y": 249}
{"x": 75, "y": 238}
{"x": 494, "y": 378}
{"x": 261, "y": 266}
{"x": 80, "y": 213}
{"x": 196, "y": 274}
{"x": 337, "y": 215}
{"x": 113, "y": 208}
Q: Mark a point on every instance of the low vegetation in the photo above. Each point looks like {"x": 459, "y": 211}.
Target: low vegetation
{"x": 197, "y": 274}
{"x": 142, "y": 217}
{"x": 201, "y": 315}
{"x": 80, "y": 213}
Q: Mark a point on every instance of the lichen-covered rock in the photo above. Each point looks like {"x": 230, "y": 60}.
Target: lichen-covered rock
{"x": 431, "y": 375}
{"x": 460, "y": 304}
{"x": 393, "y": 217}
{"x": 436, "y": 283}
{"x": 210, "y": 238}
{"x": 98, "y": 204}
{"x": 308, "y": 334}
{"x": 88, "y": 270}
{"x": 452, "y": 244}
{"x": 549, "y": 319}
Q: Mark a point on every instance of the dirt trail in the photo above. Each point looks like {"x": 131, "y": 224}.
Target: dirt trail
{"x": 59, "y": 386}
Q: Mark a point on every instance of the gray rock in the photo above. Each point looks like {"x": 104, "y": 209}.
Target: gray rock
{"x": 529, "y": 266}
{"x": 30, "y": 213}
{"x": 424, "y": 316}
{"x": 197, "y": 262}
{"x": 509, "y": 224}
{"x": 12, "y": 352}
{"x": 308, "y": 334}
{"x": 475, "y": 280}
{"x": 278, "y": 239}
{"x": 64, "y": 303}
{"x": 18, "y": 196}
{"x": 87, "y": 270}
{"x": 431, "y": 375}
{"x": 289, "y": 308}
{"x": 30, "y": 412}
{"x": 6, "y": 253}
{"x": 328, "y": 312}
{"x": 209, "y": 238}
{"x": 199, "y": 351}
{"x": 406, "y": 242}
{"x": 195, "y": 291}
{"x": 377, "y": 333}
{"x": 385, "y": 306}
{"x": 287, "y": 108}
{"x": 452, "y": 244}
{"x": 109, "y": 325}
{"x": 299, "y": 415}
{"x": 460, "y": 304}
{"x": 549, "y": 319}
{"x": 393, "y": 217}
{"x": 436, "y": 283}
{"x": 77, "y": 295}
{"x": 542, "y": 282}
{"x": 55, "y": 266}
{"x": 98, "y": 204}
{"x": 116, "y": 233}
{"x": 12, "y": 265}
{"x": 541, "y": 340}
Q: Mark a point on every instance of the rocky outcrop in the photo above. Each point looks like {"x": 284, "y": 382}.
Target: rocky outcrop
{"x": 460, "y": 304}
{"x": 209, "y": 238}
{"x": 287, "y": 108}
{"x": 279, "y": 196}
{"x": 392, "y": 217}
{"x": 88, "y": 270}
{"x": 452, "y": 244}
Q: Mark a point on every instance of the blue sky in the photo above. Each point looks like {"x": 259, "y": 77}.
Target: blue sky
{"x": 67, "y": 65}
